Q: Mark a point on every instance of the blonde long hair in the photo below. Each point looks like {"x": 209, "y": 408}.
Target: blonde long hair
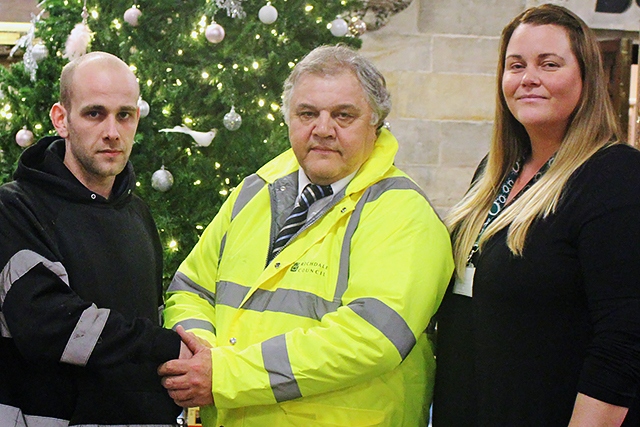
{"x": 592, "y": 125}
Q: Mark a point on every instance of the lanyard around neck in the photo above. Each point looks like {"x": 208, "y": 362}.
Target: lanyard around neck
{"x": 501, "y": 200}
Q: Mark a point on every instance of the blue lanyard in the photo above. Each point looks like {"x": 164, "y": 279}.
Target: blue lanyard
{"x": 499, "y": 203}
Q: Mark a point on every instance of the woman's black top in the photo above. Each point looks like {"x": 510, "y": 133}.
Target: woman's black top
{"x": 562, "y": 319}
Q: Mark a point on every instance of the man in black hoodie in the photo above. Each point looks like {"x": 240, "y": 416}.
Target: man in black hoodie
{"x": 81, "y": 264}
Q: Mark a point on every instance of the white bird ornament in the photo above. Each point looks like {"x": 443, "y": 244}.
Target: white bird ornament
{"x": 202, "y": 139}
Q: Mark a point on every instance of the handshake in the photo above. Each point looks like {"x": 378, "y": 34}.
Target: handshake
{"x": 188, "y": 378}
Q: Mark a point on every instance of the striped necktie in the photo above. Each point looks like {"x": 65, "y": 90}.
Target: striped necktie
{"x": 298, "y": 216}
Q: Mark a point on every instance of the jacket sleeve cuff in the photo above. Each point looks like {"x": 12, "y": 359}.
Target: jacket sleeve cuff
{"x": 166, "y": 346}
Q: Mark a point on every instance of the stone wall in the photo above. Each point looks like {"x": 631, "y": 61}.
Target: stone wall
{"x": 439, "y": 58}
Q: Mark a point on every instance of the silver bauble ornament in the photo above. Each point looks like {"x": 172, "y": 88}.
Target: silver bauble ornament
{"x": 339, "y": 27}
{"x": 162, "y": 180}
{"x": 39, "y": 52}
{"x": 268, "y": 14}
{"x": 24, "y": 137}
{"x": 131, "y": 16}
{"x": 144, "y": 107}
{"x": 232, "y": 120}
{"x": 214, "y": 33}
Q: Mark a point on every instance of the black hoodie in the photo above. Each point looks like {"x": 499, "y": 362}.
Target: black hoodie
{"x": 80, "y": 288}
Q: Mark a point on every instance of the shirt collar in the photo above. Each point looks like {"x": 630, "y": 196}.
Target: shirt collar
{"x": 303, "y": 181}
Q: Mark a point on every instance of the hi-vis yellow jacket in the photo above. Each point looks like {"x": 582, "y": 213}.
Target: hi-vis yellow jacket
{"x": 332, "y": 331}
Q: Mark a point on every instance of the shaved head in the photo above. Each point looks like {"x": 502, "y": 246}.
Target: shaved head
{"x": 102, "y": 59}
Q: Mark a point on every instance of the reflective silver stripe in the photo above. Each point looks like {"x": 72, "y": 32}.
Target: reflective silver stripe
{"x": 277, "y": 364}
{"x": 231, "y": 294}
{"x": 252, "y": 185}
{"x": 85, "y": 336}
{"x": 387, "y": 321}
{"x": 345, "y": 252}
{"x": 393, "y": 183}
{"x": 20, "y": 264}
{"x": 181, "y": 282}
{"x": 33, "y": 421}
{"x": 371, "y": 194}
{"x": 13, "y": 417}
{"x": 291, "y": 301}
{"x": 4, "y": 329}
{"x": 195, "y": 324}
{"x": 223, "y": 242}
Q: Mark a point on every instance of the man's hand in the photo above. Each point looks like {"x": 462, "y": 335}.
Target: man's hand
{"x": 185, "y": 352}
{"x": 188, "y": 381}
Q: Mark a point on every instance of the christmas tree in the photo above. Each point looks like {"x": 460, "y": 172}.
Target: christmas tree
{"x": 212, "y": 66}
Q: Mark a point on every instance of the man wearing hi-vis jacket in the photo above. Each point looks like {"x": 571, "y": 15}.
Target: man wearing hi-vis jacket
{"x": 314, "y": 284}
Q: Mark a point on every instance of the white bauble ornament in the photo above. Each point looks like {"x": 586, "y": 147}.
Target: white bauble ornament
{"x": 214, "y": 33}
{"x": 39, "y": 52}
{"x": 144, "y": 107}
{"x": 232, "y": 120}
{"x": 268, "y": 14}
{"x": 339, "y": 27}
{"x": 162, "y": 180}
{"x": 131, "y": 16}
{"x": 24, "y": 137}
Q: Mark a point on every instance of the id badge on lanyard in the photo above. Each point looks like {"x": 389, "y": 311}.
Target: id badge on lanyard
{"x": 464, "y": 285}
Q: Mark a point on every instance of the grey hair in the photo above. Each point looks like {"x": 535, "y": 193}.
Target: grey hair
{"x": 333, "y": 60}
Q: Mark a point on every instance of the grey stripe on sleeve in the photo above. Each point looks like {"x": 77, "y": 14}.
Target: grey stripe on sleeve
{"x": 387, "y": 321}
{"x": 181, "y": 282}
{"x": 277, "y": 364}
{"x": 195, "y": 324}
{"x": 85, "y": 336}
{"x": 20, "y": 264}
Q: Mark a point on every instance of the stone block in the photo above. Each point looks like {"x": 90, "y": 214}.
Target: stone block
{"x": 447, "y": 186}
{"x": 432, "y": 96}
{"x": 464, "y": 144}
{"x": 472, "y": 17}
{"x": 418, "y": 140}
{"x": 464, "y": 54}
{"x": 405, "y": 22}
{"x": 395, "y": 52}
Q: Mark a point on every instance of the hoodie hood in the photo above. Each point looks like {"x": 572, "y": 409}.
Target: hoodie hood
{"x": 43, "y": 164}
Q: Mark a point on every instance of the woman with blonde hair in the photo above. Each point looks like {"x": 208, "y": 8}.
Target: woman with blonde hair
{"x": 542, "y": 324}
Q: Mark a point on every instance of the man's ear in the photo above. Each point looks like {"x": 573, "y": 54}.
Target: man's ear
{"x": 58, "y": 116}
